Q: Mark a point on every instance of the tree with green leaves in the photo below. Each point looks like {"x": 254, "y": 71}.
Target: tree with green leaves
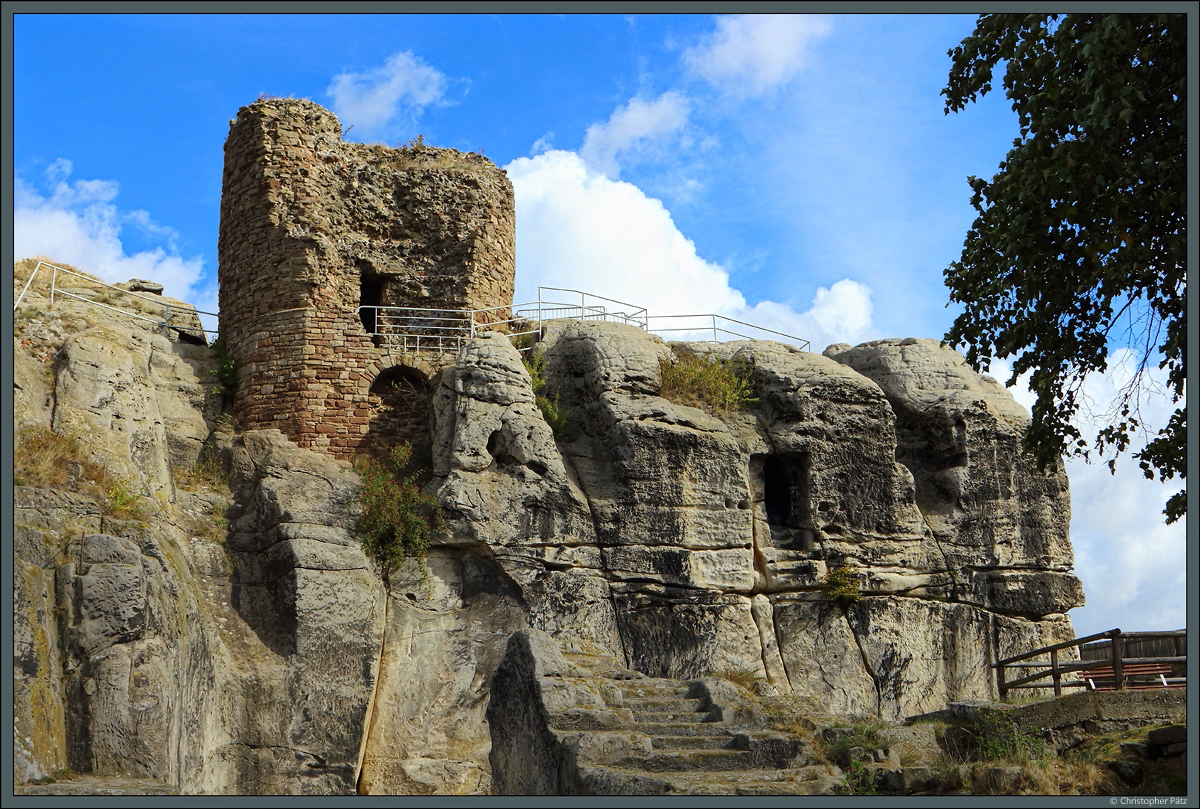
{"x": 1079, "y": 246}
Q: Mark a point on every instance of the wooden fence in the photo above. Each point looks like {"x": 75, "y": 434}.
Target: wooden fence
{"x": 1123, "y": 654}
{"x": 1151, "y": 644}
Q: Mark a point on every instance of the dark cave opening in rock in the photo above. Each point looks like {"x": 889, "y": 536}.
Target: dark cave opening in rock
{"x": 786, "y": 480}
{"x": 777, "y": 491}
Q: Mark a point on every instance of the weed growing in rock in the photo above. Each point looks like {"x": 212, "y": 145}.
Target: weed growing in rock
{"x": 999, "y": 737}
{"x": 397, "y": 517}
{"x": 719, "y": 386}
{"x": 122, "y": 500}
{"x": 859, "y": 780}
{"x": 523, "y": 342}
{"x": 839, "y": 742}
{"x": 44, "y": 459}
{"x": 554, "y": 412}
{"x": 226, "y": 371}
{"x": 743, "y": 676}
{"x": 841, "y": 586}
{"x": 208, "y": 472}
{"x": 209, "y": 521}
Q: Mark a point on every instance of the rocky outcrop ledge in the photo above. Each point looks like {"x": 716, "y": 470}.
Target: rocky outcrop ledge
{"x": 270, "y": 656}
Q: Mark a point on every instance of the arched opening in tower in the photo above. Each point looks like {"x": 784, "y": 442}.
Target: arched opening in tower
{"x": 399, "y": 400}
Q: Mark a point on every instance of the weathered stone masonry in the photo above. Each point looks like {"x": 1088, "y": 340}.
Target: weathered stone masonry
{"x": 312, "y": 228}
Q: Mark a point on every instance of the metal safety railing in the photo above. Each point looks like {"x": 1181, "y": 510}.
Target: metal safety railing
{"x": 716, "y": 327}
{"x": 440, "y": 330}
{"x": 590, "y": 307}
{"x": 404, "y": 328}
{"x": 170, "y": 312}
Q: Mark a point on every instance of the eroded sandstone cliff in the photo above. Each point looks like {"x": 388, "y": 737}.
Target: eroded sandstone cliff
{"x": 269, "y": 655}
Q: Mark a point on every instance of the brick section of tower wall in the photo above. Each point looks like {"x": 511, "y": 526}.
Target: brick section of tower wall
{"x": 307, "y": 222}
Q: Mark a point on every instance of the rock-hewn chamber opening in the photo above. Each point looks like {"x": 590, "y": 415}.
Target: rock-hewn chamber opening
{"x": 399, "y": 400}
{"x": 777, "y": 491}
{"x": 787, "y": 489}
{"x": 786, "y": 480}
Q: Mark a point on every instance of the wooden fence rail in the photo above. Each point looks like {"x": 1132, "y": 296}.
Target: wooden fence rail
{"x": 1118, "y": 665}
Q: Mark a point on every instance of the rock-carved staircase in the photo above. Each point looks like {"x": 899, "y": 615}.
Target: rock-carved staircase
{"x": 569, "y": 720}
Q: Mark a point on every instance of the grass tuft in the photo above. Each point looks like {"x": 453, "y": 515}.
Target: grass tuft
{"x": 745, "y": 677}
{"x": 721, "y": 387}
{"x": 44, "y": 459}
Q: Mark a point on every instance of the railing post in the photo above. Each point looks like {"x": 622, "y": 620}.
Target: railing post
{"x": 25, "y": 288}
{"x": 1118, "y": 659}
{"x": 1054, "y": 673}
{"x": 166, "y": 318}
{"x": 53, "y": 279}
{"x": 1000, "y": 681}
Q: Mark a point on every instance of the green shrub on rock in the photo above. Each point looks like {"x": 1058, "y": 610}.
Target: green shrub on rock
{"x": 841, "y": 586}
{"x": 553, "y": 411}
{"x": 397, "y": 518}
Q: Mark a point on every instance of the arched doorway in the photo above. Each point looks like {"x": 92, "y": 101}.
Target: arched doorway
{"x": 399, "y": 400}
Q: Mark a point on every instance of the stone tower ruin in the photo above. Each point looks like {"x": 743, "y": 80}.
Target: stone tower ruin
{"x": 312, "y": 229}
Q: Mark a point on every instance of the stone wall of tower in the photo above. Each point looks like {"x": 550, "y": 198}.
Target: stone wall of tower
{"x": 312, "y": 228}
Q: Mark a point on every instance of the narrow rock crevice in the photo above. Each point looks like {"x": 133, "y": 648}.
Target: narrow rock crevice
{"x": 369, "y": 719}
{"x": 782, "y": 657}
{"x": 867, "y": 665}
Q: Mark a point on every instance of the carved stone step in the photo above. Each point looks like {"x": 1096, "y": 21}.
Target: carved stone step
{"x": 693, "y": 742}
{"x": 656, "y": 688}
{"x": 643, "y": 717}
{"x": 676, "y": 728}
{"x": 816, "y": 780}
{"x": 688, "y": 760}
{"x": 663, "y": 704}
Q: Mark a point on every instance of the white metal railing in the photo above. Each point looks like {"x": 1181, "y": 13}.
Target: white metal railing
{"x": 168, "y": 310}
{"x": 406, "y": 328}
{"x": 715, "y": 326}
{"x": 549, "y": 310}
{"x": 441, "y": 330}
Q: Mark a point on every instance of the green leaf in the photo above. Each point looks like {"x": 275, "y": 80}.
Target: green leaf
{"x": 1080, "y": 237}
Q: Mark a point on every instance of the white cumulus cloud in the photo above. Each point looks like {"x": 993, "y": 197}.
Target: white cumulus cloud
{"x": 635, "y": 126}
{"x": 78, "y": 222}
{"x": 754, "y": 54}
{"x": 371, "y": 100}
{"x": 578, "y": 229}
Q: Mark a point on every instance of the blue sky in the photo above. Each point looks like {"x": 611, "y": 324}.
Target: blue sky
{"x": 795, "y": 171}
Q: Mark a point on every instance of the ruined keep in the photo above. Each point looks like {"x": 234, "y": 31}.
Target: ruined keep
{"x": 312, "y": 229}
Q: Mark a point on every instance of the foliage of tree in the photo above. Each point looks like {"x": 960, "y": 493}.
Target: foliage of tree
{"x": 1080, "y": 241}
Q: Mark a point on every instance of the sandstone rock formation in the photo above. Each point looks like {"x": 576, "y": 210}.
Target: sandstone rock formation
{"x": 269, "y": 655}
{"x": 151, "y": 640}
{"x": 708, "y": 539}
